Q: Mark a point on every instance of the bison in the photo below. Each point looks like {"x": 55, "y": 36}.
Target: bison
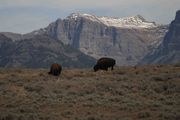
{"x": 55, "y": 69}
{"x": 104, "y": 64}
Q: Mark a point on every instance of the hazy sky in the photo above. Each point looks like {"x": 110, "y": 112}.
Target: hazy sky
{"x": 24, "y": 16}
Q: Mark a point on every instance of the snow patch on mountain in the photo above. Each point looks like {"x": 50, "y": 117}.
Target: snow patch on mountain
{"x": 128, "y": 22}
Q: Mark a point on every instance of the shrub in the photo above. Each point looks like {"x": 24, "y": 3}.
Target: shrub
{"x": 144, "y": 115}
{"x": 157, "y": 78}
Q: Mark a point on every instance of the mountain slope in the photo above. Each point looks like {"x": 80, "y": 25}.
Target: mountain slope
{"x": 40, "y": 52}
{"x": 169, "y": 50}
{"x": 96, "y": 37}
{"x": 13, "y": 36}
{"x": 127, "y": 40}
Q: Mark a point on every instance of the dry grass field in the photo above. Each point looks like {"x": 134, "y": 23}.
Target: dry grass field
{"x": 127, "y": 93}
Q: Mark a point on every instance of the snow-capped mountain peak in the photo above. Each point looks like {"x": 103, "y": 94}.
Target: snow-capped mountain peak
{"x": 128, "y": 22}
{"x": 80, "y": 15}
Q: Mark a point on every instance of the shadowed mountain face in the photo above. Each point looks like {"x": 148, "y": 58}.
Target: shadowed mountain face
{"x": 40, "y": 52}
{"x": 169, "y": 50}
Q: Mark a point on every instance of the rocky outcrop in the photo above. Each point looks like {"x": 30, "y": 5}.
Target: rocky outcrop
{"x": 169, "y": 50}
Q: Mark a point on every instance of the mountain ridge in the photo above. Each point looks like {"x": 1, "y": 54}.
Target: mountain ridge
{"x": 133, "y": 21}
{"x": 96, "y": 39}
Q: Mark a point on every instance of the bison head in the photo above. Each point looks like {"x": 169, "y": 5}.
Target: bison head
{"x": 55, "y": 69}
{"x": 96, "y": 67}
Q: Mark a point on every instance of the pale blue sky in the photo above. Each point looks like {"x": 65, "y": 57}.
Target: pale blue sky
{"x": 22, "y": 16}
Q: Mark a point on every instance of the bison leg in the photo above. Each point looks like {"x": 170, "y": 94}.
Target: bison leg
{"x": 55, "y": 72}
{"x": 50, "y": 72}
{"x": 112, "y": 68}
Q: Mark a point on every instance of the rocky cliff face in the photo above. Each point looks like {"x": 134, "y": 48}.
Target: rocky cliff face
{"x": 126, "y": 39}
{"x": 40, "y": 52}
{"x": 169, "y": 50}
{"x": 172, "y": 39}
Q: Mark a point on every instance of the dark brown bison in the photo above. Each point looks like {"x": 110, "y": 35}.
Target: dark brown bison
{"x": 104, "y": 64}
{"x": 55, "y": 69}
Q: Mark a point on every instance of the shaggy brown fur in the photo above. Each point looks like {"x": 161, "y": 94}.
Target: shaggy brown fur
{"x": 55, "y": 69}
{"x": 104, "y": 64}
